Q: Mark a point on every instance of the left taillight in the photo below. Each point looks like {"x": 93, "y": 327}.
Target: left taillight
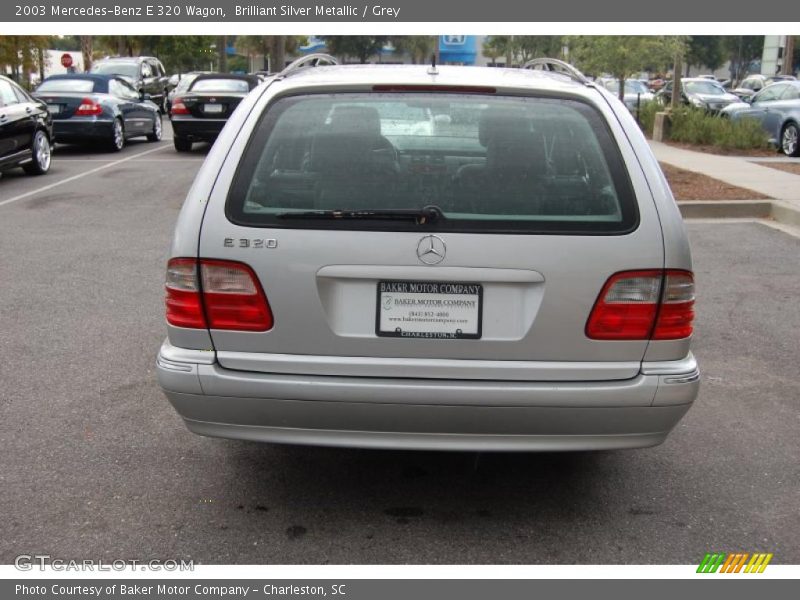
{"x": 215, "y": 294}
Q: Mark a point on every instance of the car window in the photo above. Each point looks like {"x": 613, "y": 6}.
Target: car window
{"x": 792, "y": 92}
{"x": 120, "y": 89}
{"x": 7, "y": 95}
{"x": 185, "y": 82}
{"x": 220, "y": 85}
{"x": 81, "y": 86}
{"x": 128, "y": 69}
{"x": 770, "y": 93}
{"x": 21, "y": 94}
{"x": 703, "y": 87}
{"x": 146, "y": 70}
{"x": 489, "y": 163}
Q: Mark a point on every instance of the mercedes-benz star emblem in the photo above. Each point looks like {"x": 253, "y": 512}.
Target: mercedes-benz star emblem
{"x": 431, "y": 250}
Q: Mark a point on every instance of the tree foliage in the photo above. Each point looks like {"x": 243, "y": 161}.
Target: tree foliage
{"x": 357, "y": 46}
{"x": 418, "y": 47}
{"x": 522, "y": 48}
{"x": 742, "y": 51}
{"x": 624, "y": 56}
{"x": 705, "y": 51}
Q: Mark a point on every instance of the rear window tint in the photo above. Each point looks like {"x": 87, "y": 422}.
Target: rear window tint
{"x": 83, "y": 86}
{"x": 489, "y": 163}
{"x": 220, "y": 85}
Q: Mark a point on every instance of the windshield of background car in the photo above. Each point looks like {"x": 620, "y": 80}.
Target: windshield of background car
{"x": 236, "y": 86}
{"x": 185, "y": 82}
{"x": 81, "y": 86}
{"x": 631, "y": 87}
{"x": 116, "y": 68}
{"x": 489, "y": 163}
{"x": 703, "y": 87}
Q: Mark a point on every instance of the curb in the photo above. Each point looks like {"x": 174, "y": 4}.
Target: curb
{"x": 741, "y": 209}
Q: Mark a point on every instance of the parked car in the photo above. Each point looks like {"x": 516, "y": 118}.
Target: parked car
{"x": 182, "y": 83}
{"x": 145, "y": 73}
{"x": 200, "y": 113}
{"x": 522, "y": 283}
{"x": 26, "y": 130}
{"x": 636, "y": 92}
{"x": 777, "y": 108}
{"x": 752, "y": 84}
{"x": 99, "y": 108}
{"x": 701, "y": 93}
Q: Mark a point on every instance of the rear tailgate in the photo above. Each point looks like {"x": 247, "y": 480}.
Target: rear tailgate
{"x": 328, "y": 287}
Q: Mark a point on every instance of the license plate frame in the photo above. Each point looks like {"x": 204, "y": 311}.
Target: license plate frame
{"x": 430, "y": 290}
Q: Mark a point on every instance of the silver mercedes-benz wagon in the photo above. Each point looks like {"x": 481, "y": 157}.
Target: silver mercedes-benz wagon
{"x": 429, "y": 257}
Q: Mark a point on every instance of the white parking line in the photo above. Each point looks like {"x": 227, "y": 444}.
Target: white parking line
{"x": 80, "y": 175}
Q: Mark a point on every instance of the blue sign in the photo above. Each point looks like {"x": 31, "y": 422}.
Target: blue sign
{"x": 458, "y": 49}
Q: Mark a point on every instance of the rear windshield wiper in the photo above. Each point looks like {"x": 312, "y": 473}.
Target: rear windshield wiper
{"x": 420, "y": 216}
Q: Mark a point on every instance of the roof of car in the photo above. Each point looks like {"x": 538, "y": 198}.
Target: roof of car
{"x": 500, "y": 78}
{"x": 91, "y": 76}
{"x": 125, "y": 58}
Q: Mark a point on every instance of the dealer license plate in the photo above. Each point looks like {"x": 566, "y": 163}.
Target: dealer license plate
{"x": 429, "y": 309}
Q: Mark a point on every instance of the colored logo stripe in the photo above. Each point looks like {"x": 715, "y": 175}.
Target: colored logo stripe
{"x": 734, "y": 563}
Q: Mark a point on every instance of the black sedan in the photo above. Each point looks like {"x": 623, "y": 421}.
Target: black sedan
{"x": 26, "y": 130}
{"x": 99, "y": 108}
{"x": 699, "y": 92}
{"x": 200, "y": 113}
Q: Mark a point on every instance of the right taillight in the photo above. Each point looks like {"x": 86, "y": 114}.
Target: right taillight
{"x": 88, "y": 108}
{"x": 640, "y": 305}
{"x": 215, "y": 294}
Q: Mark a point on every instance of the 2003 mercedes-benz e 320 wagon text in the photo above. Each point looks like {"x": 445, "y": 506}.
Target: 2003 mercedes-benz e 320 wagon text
{"x": 412, "y": 257}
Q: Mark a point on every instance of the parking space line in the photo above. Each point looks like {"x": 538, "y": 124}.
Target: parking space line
{"x": 80, "y": 175}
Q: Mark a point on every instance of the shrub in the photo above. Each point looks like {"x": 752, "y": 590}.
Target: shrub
{"x": 647, "y": 116}
{"x": 695, "y": 126}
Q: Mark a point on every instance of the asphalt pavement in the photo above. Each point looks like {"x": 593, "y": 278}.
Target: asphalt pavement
{"x": 94, "y": 462}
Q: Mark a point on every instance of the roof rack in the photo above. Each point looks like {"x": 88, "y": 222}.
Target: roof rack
{"x": 557, "y": 66}
{"x": 312, "y": 60}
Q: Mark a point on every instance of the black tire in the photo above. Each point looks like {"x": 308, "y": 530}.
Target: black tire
{"x": 155, "y": 136}
{"x": 182, "y": 144}
{"x": 790, "y": 139}
{"x": 117, "y": 141}
{"x": 42, "y": 153}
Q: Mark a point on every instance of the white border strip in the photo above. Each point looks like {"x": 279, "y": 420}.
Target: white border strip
{"x": 398, "y": 28}
{"x": 316, "y": 572}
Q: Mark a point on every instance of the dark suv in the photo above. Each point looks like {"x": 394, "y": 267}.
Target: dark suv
{"x": 145, "y": 73}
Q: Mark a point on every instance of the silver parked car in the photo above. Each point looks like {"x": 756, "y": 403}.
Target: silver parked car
{"x": 516, "y": 277}
{"x": 777, "y": 108}
{"x": 636, "y": 93}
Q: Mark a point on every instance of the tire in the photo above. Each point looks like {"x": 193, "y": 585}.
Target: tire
{"x": 155, "y": 136}
{"x": 182, "y": 144}
{"x": 117, "y": 141}
{"x": 790, "y": 139}
{"x": 42, "y": 153}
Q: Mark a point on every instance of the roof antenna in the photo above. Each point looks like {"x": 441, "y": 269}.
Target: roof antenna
{"x": 432, "y": 70}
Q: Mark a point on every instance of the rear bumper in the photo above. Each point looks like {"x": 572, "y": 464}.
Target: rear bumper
{"x": 426, "y": 414}
{"x": 197, "y": 129}
{"x": 78, "y": 129}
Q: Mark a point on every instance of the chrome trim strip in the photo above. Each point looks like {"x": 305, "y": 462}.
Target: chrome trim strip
{"x": 173, "y": 354}
{"x": 685, "y": 366}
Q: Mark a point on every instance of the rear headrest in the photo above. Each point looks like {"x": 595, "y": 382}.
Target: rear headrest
{"x": 501, "y": 122}
{"x": 356, "y": 120}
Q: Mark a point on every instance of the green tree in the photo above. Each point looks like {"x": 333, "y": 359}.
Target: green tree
{"x": 742, "y": 51}
{"x": 704, "y": 51}
{"x": 623, "y": 56}
{"x": 359, "y": 46}
{"x": 527, "y": 47}
{"x": 23, "y": 55}
{"x": 418, "y": 47}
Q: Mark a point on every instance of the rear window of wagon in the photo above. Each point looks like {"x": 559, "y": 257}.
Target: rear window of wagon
{"x": 494, "y": 164}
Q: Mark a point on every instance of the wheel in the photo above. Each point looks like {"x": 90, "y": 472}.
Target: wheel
{"x": 789, "y": 140}
{"x": 117, "y": 141}
{"x": 41, "y": 155}
{"x": 182, "y": 144}
{"x": 155, "y": 136}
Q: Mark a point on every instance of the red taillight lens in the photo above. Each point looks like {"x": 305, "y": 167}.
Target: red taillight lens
{"x": 178, "y": 107}
{"x": 226, "y": 296}
{"x": 88, "y": 108}
{"x": 631, "y": 307}
{"x": 677, "y": 307}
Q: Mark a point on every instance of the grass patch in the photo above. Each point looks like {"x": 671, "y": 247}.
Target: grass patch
{"x": 694, "y": 126}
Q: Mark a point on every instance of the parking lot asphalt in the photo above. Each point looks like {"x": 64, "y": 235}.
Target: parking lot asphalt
{"x": 94, "y": 463}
